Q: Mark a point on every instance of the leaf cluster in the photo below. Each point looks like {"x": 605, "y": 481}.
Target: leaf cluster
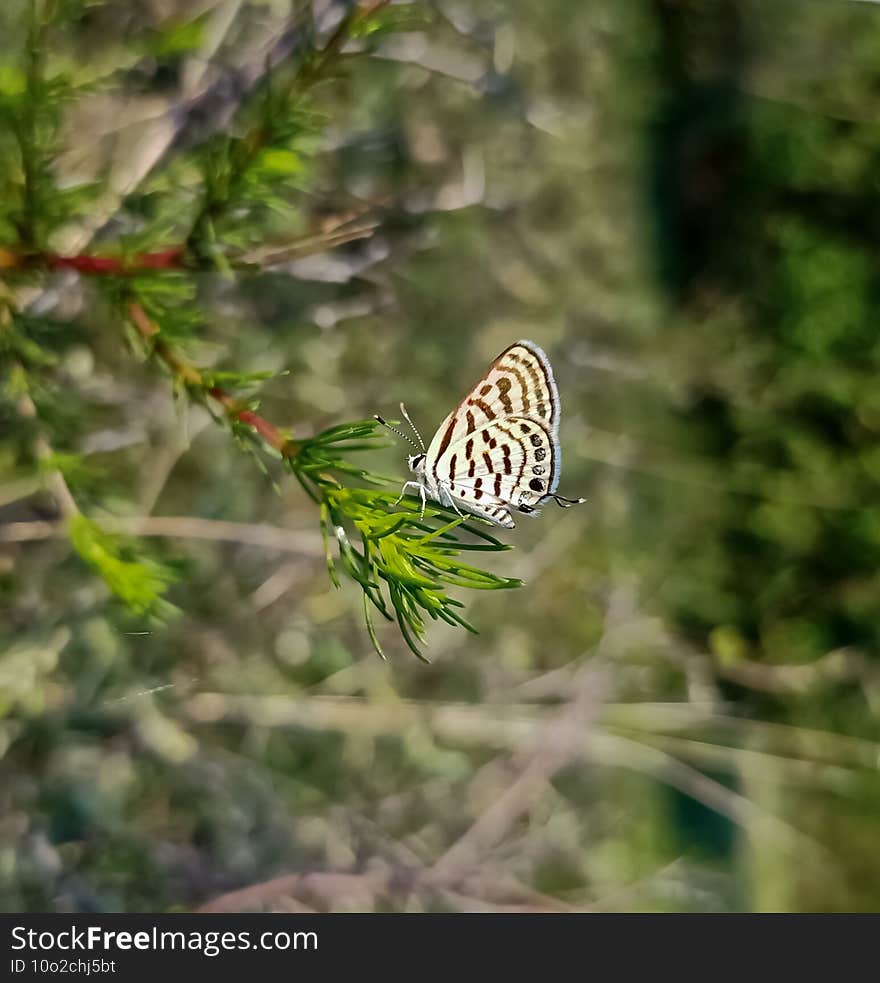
{"x": 403, "y": 559}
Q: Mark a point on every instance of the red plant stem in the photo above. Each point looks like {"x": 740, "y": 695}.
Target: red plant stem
{"x": 165, "y": 259}
{"x": 178, "y": 365}
{"x": 270, "y": 433}
{"x": 174, "y": 257}
{"x": 188, "y": 373}
{"x": 171, "y": 258}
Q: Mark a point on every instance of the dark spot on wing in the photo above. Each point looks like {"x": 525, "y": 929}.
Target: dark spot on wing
{"x": 503, "y": 393}
{"x": 540, "y": 386}
{"x": 536, "y": 485}
{"x": 447, "y": 437}
{"x": 526, "y": 404}
{"x": 485, "y": 407}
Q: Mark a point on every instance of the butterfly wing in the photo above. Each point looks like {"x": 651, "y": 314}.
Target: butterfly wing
{"x": 510, "y": 464}
{"x": 498, "y": 450}
{"x": 518, "y": 384}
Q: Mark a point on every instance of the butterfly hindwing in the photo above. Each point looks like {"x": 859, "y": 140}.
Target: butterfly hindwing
{"x": 490, "y": 507}
{"x": 514, "y": 460}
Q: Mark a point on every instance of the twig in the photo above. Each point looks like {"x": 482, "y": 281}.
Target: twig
{"x": 325, "y": 884}
{"x": 187, "y": 373}
{"x": 170, "y": 258}
{"x": 178, "y": 527}
{"x": 562, "y": 740}
{"x": 309, "y": 71}
{"x": 275, "y": 586}
{"x": 175, "y": 257}
{"x": 740, "y": 810}
{"x": 519, "y": 729}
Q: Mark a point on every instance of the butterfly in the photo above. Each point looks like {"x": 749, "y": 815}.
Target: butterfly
{"x": 498, "y": 451}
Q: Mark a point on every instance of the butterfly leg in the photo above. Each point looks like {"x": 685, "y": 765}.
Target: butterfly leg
{"x": 412, "y": 484}
{"x": 421, "y": 488}
{"x": 448, "y": 500}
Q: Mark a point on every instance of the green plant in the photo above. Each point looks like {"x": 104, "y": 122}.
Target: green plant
{"x": 220, "y": 200}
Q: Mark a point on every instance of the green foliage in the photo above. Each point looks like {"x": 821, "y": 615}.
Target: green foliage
{"x": 254, "y": 173}
{"x": 256, "y": 168}
{"x": 404, "y": 558}
{"x": 135, "y": 579}
{"x": 23, "y": 344}
{"x": 315, "y": 456}
{"x": 33, "y": 100}
{"x": 178, "y": 38}
{"x": 789, "y": 435}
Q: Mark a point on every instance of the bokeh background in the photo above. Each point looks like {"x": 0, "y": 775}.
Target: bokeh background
{"x": 680, "y": 202}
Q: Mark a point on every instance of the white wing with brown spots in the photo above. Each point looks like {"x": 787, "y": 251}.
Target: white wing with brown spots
{"x": 498, "y": 451}
{"x": 509, "y": 464}
{"x": 518, "y": 383}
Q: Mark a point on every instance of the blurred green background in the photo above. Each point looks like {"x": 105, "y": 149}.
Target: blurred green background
{"x": 680, "y": 202}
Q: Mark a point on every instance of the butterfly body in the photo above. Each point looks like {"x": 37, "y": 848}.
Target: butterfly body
{"x": 498, "y": 452}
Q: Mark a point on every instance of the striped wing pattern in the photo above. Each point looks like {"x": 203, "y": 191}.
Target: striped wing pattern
{"x": 498, "y": 450}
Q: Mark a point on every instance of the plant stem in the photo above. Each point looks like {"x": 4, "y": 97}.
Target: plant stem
{"x": 309, "y": 71}
{"x": 187, "y": 373}
{"x": 26, "y": 131}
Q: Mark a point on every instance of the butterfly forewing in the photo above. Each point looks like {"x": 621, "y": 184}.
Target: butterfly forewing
{"x": 498, "y": 450}
{"x": 518, "y": 383}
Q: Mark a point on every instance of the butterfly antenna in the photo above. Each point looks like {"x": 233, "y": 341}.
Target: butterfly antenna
{"x": 399, "y": 433}
{"x": 415, "y": 430}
